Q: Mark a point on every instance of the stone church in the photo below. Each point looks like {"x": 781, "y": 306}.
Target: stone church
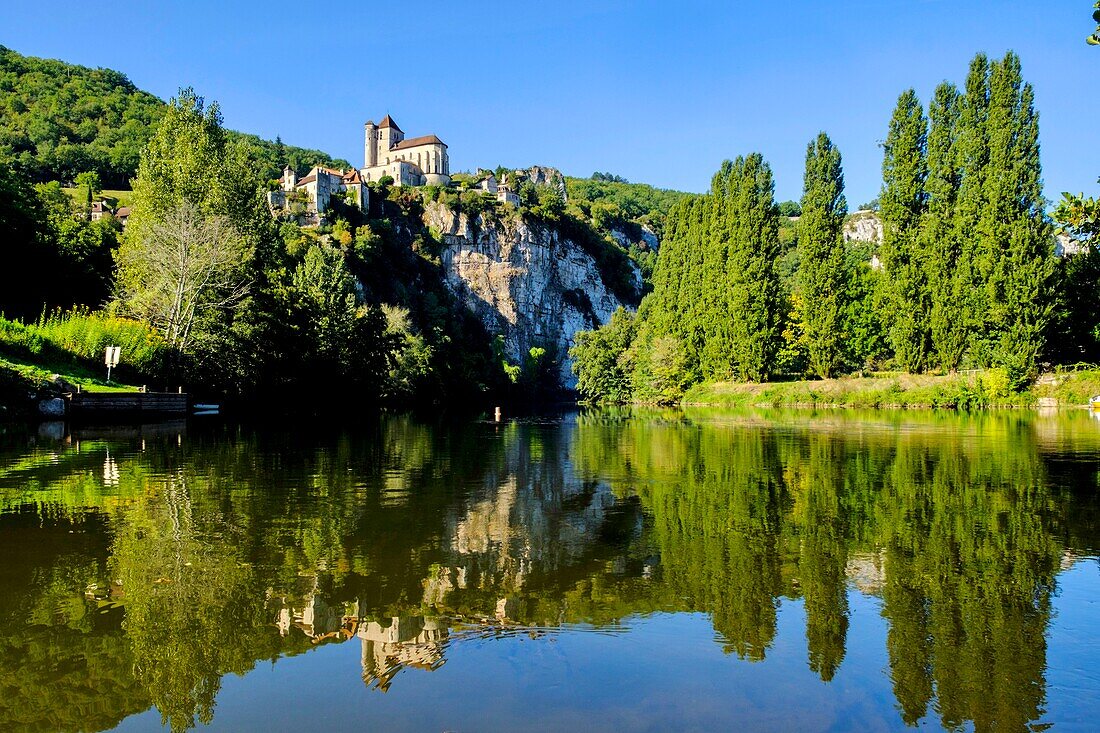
{"x": 414, "y": 161}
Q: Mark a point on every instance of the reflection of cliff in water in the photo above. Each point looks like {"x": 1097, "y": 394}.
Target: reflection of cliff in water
{"x": 531, "y": 519}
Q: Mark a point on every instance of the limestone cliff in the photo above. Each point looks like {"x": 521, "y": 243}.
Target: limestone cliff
{"x": 523, "y": 280}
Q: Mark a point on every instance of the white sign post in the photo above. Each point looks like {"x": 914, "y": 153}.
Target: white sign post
{"x": 111, "y": 358}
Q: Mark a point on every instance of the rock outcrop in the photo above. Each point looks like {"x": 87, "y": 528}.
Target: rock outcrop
{"x": 863, "y": 226}
{"x": 523, "y": 280}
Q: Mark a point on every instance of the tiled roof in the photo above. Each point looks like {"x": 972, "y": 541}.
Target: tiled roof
{"x": 308, "y": 179}
{"x": 352, "y": 176}
{"x": 387, "y": 121}
{"x": 414, "y": 142}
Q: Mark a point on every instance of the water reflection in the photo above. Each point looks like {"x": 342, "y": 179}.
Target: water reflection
{"x": 142, "y": 566}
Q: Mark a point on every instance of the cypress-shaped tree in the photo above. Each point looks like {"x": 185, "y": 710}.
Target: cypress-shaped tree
{"x": 824, "y": 279}
{"x": 754, "y": 294}
{"x": 1017, "y": 235}
{"x": 972, "y": 162}
{"x": 946, "y": 289}
{"x": 904, "y": 170}
{"x": 713, "y": 315}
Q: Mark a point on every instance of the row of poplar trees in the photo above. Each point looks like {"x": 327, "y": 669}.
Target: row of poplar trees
{"x": 966, "y": 260}
{"x": 966, "y": 246}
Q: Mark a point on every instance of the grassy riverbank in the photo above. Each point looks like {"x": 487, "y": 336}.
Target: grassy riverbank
{"x": 62, "y": 352}
{"x": 973, "y": 390}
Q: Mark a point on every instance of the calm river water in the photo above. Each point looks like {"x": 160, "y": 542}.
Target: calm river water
{"x": 601, "y": 571}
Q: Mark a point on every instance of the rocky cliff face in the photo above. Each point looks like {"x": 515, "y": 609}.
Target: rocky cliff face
{"x": 523, "y": 281}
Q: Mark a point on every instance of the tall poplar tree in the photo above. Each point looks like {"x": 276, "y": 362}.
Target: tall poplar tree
{"x": 824, "y": 278}
{"x": 947, "y": 290}
{"x": 904, "y": 170}
{"x": 755, "y": 295}
{"x": 972, "y": 162}
{"x": 1017, "y": 247}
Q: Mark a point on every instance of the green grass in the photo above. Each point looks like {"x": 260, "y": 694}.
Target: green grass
{"x": 80, "y": 195}
{"x": 973, "y": 390}
{"x": 39, "y": 376}
{"x": 71, "y": 346}
{"x": 1069, "y": 387}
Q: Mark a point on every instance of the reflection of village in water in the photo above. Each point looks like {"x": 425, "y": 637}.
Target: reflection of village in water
{"x": 534, "y": 516}
{"x": 415, "y": 540}
{"x": 395, "y": 644}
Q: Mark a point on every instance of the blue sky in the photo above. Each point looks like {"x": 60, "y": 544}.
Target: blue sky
{"x": 659, "y": 92}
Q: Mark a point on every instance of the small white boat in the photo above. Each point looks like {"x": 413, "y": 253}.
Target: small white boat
{"x": 1094, "y": 403}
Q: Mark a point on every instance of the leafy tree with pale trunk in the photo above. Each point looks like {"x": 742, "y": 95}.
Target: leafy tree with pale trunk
{"x": 185, "y": 267}
{"x": 198, "y": 227}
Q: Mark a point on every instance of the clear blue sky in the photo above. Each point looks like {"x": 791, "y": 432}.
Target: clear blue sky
{"x": 659, "y": 92}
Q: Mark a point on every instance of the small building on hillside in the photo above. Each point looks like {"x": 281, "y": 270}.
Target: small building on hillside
{"x": 487, "y": 183}
{"x": 98, "y": 210}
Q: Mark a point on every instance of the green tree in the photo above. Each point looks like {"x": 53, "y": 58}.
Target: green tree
{"x": 972, "y": 162}
{"x": 198, "y": 222}
{"x": 753, "y": 298}
{"x": 947, "y": 274}
{"x": 84, "y": 273}
{"x": 824, "y": 279}
{"x": 600, "y": 359}
{"x": 344, "y": 339}
{"x": 790, "y": 208}
{"x": 25, "y": 240}
{"x": 89, "y": 181}
{"x": 1016, "y": 254}
{"x": 904, "y": 170}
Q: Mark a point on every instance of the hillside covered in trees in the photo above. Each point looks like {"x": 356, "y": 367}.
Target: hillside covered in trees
{"x": 58, "y": 120}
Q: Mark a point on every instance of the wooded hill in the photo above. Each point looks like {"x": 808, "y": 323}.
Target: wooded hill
{"x": 59, "y": 119}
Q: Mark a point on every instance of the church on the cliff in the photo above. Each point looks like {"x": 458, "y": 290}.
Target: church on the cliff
{"x": 414, "y": 161}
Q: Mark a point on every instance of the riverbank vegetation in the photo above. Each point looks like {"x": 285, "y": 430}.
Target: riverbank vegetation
{"x": 964, "y": 391}
{"x": 965, "y": 279}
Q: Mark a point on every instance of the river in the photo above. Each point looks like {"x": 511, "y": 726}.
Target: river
{"x": 696, "y": 570}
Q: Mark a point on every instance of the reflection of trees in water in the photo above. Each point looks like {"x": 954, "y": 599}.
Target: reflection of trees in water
{"x": 971, "y": 559}
{"x": 967, "y": 520}
{"x": 191, "y": 602}
{"x": 232, "y": 549}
